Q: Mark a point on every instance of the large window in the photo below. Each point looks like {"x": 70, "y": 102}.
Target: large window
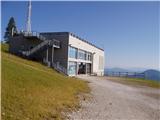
{"x": 72, "y": 52}
{"x": 72, "y": 68}
{"x": 82, "y": 54}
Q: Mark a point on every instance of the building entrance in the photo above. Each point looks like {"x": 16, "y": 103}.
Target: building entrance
{"x": 84, "y": 68}
{"x": 81, "y": 68}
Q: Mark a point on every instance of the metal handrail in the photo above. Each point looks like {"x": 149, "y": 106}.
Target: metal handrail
{"x": 37, "y": 47}
{"x": 38, "y": 35}
{"x": 33, "y": 33}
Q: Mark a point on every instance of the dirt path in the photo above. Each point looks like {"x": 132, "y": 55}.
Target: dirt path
{"x": 116, "y": 101}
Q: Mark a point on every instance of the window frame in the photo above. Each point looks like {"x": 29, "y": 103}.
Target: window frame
{"x": 80, "y": 52}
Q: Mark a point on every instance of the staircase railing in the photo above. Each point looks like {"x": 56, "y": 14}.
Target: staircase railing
{"x": 28, "y": 34}
{"x": 53, "y": 42}
{"x": 36, "y": 48}
{"x": 33, "y": 34}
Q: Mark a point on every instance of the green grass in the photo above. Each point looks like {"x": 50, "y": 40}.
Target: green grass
{"x": 33, "y": 91}
{"x": 136, "y": 81}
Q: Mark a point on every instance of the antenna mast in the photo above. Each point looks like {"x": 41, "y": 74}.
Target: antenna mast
{"x": 28, "y": 26}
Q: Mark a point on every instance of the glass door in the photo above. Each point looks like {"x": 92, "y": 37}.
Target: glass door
{"x": 72, "y": 68}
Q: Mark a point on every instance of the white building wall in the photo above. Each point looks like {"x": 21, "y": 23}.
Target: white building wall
{"x": 77, "y": 43}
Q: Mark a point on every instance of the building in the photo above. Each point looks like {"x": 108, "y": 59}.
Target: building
{"x": 64, "y": 51}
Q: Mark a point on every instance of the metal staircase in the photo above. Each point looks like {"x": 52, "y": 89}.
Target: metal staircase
{"x": 36, "y": 48}
{"x": 46, "y": 42}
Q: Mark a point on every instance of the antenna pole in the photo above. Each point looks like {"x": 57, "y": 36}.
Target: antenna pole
{"x": 28, "y": 26}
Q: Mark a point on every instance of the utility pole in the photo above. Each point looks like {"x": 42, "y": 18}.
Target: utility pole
{"x": 28, "y": 25}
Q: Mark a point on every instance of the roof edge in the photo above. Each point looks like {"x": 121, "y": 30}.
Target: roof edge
{"x": 72, "y": 34}
{"x": 76, "y": 36}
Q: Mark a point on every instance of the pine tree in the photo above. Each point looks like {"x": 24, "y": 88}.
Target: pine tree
{"x": 10, "y": 28}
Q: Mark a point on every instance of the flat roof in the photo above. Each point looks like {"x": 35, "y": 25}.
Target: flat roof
{"x": 72, "y": 34}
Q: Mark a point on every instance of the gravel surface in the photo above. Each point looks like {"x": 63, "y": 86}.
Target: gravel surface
{"x": 115, "y": 101}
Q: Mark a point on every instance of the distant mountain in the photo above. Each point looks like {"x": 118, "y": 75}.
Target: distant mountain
{"x": 152, "y": 74}
{"x": 137, "y": 69}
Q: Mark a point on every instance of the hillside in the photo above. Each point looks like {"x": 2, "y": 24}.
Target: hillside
{"x": 152, "y": 74}
{"x": 33, "y": 91}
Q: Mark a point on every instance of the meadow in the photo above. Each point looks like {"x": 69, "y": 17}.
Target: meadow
{"x": 32, "y": 91}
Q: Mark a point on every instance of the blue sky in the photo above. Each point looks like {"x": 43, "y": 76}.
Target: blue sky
{"x": 127, "y": 31}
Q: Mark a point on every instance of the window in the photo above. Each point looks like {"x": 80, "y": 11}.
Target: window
{"x": 72, "y": 68}
{"x": 88, "y": 56}
{"x": 72, "y": 52}
{"x": 82, "y": 54}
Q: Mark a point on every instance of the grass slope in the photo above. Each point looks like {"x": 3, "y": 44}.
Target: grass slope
{"x": 33, "y": 91}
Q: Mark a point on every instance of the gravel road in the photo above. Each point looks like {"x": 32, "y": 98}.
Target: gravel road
{"x": 115, "y": 101}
